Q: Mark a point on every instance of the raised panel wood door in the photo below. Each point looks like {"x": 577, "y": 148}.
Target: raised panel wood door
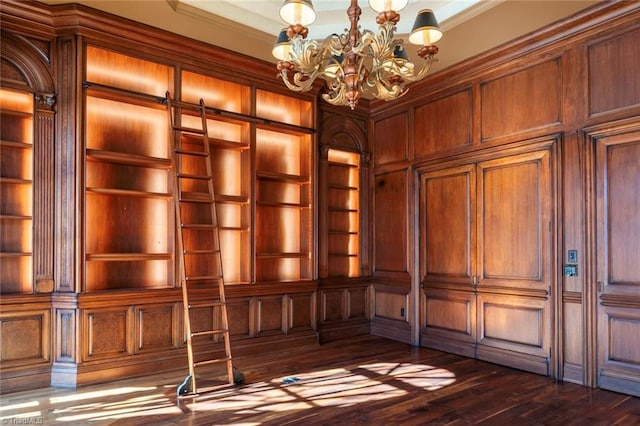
{"x": 448, "y": 258}
{"x": 617, "y": 264}
{"x": 514, "y": 273}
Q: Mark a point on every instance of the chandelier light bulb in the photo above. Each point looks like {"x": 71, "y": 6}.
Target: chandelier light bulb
{"x": 298, "y": 12}
{"x": 387, "y": 5}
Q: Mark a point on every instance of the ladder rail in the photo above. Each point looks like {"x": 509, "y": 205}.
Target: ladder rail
{"x": 178, "y": 132}
{"x": 216, "y": 236}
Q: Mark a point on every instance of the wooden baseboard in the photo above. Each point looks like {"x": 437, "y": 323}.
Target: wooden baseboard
{"x": 20, "y": 380}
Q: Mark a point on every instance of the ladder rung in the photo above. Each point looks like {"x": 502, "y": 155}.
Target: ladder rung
{"x": 195, "y": 197}
{"x": 200, "y": 226}
{"x": 206, "y": 305}
{"x": 200, "y": 252}
{"x": 204, "y": 278}
{"x": 194, "y": 177}
{"x": 189, "y": 130}
{"x": 194, "y": 153}
{"x": 212, "y": 361}
{"x": 209, "y": 332}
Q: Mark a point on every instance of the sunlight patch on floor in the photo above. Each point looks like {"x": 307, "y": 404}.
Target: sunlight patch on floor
{"x": 336, "y": 387}
{"x": 79, "y": 396}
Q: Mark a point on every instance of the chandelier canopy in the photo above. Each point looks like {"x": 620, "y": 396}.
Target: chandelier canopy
{"x": 358, "y": 61}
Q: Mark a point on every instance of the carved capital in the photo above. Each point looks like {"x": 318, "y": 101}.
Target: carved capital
{"x": 45, "y": 101}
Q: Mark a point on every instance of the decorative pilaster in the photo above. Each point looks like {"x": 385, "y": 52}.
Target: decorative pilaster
{"x": 66, "y": 197}
{"x": 43, "y": 178}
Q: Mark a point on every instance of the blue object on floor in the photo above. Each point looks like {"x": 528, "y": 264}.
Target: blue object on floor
{"x": 288, "y": 380}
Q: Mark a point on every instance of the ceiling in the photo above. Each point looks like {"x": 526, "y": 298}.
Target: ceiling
{"x": 331, "y": 14}
{"x": 470, "y": 27}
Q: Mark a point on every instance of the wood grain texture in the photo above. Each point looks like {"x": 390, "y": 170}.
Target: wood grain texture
{"x": 364, "y": 380}
{"x": 391, "y": 139}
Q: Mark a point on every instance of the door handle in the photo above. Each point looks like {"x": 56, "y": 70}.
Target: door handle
{"x": 600, "y": 286}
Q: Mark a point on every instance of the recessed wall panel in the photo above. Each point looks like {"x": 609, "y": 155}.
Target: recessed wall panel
{"x": 525, "y": 100}
{"x": 443, "y": 124}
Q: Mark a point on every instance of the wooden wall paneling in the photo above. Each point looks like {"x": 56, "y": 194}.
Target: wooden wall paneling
{"x": 272, "y": 315}
{"x": 390, "y": 139}
{"x": 575, "y": 86}
{"x": 67, "y": 137}
{"x": 553, "y": 82}
{"x": 25, "y": 337}
{"x": 239, "y": 313}
{"x": 343, "y": 309}
{"x": 108, "y": 332}
{"x": 301, "y": 312}
{"x": 614, "y": 59}
{"x": 390, "y": 304}
{"x": 444, "y": 124}
{"x": 358, "y": 303}
{"x": 25, "y": 345}
{"x": 155, "y": 327}
{"x": 521, "y": 101}
{"x": 391, "y": 315}
{"x": 332, "y": 305}
{"x": 390, "y": 221}
{"x": 571, "y": 293}
{"x": 573, "y": 338}
{"x": 67, "y": 344}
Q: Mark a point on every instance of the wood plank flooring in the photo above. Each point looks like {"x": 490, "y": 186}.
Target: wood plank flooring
{"x": 362, "y": 381}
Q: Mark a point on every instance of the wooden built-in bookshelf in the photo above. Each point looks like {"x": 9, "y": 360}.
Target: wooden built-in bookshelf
{"x": 283, "y": 200}
{"x": 16, "y": 191}
{"x": 266, "y": 227}
{"x": 343, "y": 195}
{"x": 229, "y": 137}
{"x": 128, "y": 224}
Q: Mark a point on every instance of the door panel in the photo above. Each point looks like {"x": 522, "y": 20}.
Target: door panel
{"x": 618, "y": 270}
{"x": 514, "y": 216}
{"x": 447, "y": 225}
{"x": 514, "y": 331}
{"x": 447, "y": 259}
{"x": 486, "y": 259}
{"x": 514, "y": 261}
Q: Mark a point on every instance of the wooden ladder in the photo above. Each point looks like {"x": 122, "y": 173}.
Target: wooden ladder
{"x": 198, "y": 234}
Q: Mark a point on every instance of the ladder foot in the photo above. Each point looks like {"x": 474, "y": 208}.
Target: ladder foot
{"x": 184, "y": 388}
{"x": 238, "y": 377}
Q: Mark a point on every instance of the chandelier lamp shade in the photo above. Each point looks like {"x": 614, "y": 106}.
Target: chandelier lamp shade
{"x": 357, "y": 62}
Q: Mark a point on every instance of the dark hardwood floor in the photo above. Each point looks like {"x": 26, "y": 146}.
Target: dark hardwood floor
{"x": 365, "y": 380}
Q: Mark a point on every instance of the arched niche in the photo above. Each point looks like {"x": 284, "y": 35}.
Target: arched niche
{"x": 25, "y": 67}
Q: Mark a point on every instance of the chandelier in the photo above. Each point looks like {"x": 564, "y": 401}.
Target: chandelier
{"x": 358, "y": 61}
